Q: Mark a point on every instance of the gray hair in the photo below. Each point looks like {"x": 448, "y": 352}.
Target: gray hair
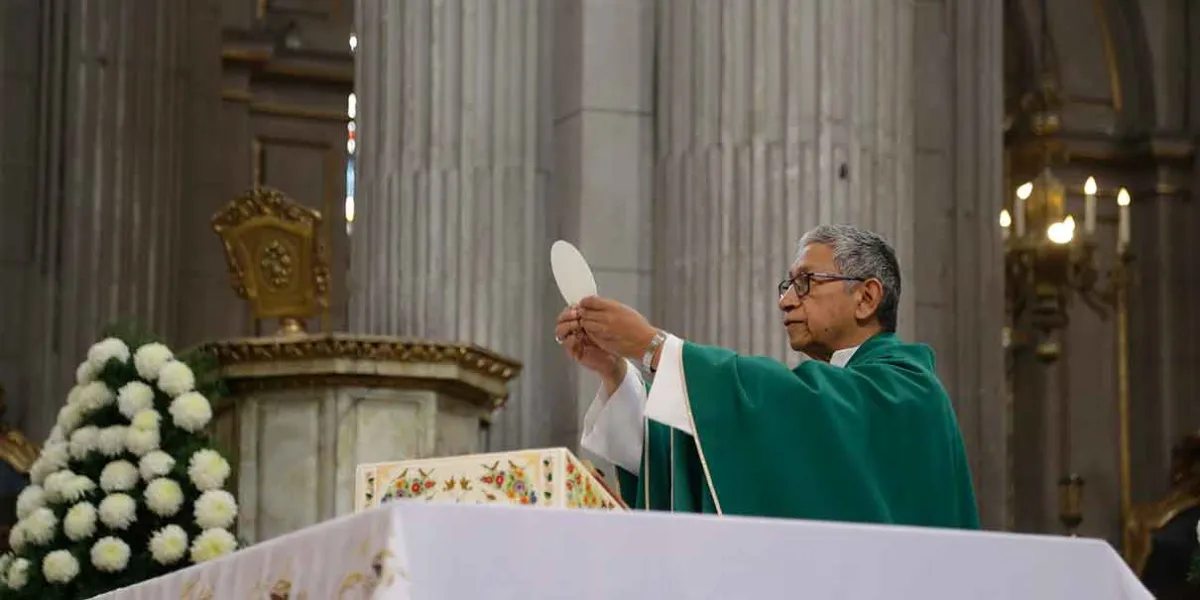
{"x": 865, "y": 255}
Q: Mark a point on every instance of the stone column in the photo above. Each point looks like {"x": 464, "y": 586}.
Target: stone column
{"x": 774, "y": 117}
{"x": 604, "y": 159}
{"x": 450, "y": 235}
{"x": 19, "y": 23}
{"x": 115, "y": 84}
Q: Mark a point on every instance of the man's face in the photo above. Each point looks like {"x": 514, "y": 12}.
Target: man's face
{"x": 817, "y": 320}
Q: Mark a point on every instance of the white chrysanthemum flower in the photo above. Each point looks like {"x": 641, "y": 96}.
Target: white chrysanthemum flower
{"x": 118, "y": 476}
{"x": 69, "y": 417}
{"x": 83, "y": 441}
{"x": 176, "y": 378}
{"x": 16, "y": 537}
{"x": 140, "y": 441}
{"x": 146, "y": 420}
{"x": 215, "y": 509}
{"x": 30, "y": 499}
{"x": 56, "y": 456}
{"x": 18, "y": 574}
{"x": 85, "y": 373}
{"x": 94, "y": 396}
{"x": 150, "y": 359}
{"x": 164, "y": 496}
{"x": 60, "y": 566}
{"x": 213, "y": 543}
{"x": 112, "y": 441}
{"x": 56, "y": 435}
{"x": 54, "y": 483}
{"x": 38, "y": 471}
{"x": 110, "y": 554}
{"x": 73, "y": 489}
{"x": 208, "y": 470}
{"x": 39, "y": 527}
{"x": 191, "y": 411}
{"x": 155, "y": 464}
{"x": 134, "y": 396}
{"x": 168, "y": 545}
{"x": 80, "y": 522}
{"x": 105, "y": 350}
{"x": 74, "y": 395}
{"x": 118, "y": 511}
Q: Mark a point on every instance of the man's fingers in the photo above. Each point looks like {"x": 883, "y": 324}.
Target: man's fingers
{"x": 568, "y": 315}
{"x": 565, "y": 329}
{"x": 595, "y": 303}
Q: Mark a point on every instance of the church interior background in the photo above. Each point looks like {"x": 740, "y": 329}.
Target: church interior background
{"x": 683, "y": 146}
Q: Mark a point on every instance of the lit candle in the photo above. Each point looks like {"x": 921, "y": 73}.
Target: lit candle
{"x": 1005, "y": 223}
{"x": 1023, "y": 194}
{"x": 1089, "y": 206}
{"x": 1123, "y": 223}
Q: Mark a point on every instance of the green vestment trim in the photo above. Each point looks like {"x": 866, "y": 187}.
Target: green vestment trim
{"x": 874, "y": 442}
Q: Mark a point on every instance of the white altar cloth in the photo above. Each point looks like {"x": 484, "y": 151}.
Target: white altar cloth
{"x": 442, "y": 551}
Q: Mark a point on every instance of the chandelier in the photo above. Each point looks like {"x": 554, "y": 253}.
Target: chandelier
{"x": 1051, "y": 259}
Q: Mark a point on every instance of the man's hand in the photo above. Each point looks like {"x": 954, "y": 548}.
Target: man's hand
{"x": 569, "y": 331}
{"x": 616, "y": 328}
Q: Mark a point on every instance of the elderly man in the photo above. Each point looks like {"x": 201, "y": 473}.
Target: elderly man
{"x": 865, "y": 432}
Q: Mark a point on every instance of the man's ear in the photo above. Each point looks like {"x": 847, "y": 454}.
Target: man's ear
{"x": 870, "y": 295}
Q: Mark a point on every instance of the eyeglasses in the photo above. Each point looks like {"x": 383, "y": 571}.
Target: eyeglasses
{"x": 802, "y": 282}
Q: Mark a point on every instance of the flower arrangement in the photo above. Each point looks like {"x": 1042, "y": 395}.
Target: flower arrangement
{"x": 127, "y": 486}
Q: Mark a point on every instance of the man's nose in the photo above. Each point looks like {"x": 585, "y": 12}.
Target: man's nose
{"x": 788, "y": 300}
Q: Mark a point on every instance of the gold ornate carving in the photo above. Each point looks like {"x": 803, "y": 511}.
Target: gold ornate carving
{"x": 15, "y": 448}
{"x": 1146, "y": 519}
{"x": 469, "y": 358}
{"x": 277, "y": 258}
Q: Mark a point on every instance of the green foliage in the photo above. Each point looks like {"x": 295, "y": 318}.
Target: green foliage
{"x": 177, "y": 442}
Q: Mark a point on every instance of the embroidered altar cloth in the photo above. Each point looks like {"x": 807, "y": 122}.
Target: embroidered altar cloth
{"x": 414, "y": 550}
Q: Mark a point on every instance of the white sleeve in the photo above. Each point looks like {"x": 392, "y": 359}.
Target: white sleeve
{"x": 668, "y": 403}
{"x": 613, "y": 426}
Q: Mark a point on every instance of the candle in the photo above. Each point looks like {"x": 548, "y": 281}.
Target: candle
{"x": 1005, "y": 223}
{"x": 1089, "y": 206}
{"x": 1023, "y": 194}
{"x": 1123, "y": 223}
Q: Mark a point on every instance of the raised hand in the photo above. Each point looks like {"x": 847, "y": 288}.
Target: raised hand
{"x": 569, "y": 332}
{"x": 614, "y": 327}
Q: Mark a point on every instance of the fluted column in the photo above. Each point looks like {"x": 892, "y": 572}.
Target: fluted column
{"x": 450, "y": 235}
{"x": 19, "y": 20}
{"x": 114, "y": 88}
{"x": 774, "y": 117}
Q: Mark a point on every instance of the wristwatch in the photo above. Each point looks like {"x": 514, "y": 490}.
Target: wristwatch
{"x": 648, "y": 357}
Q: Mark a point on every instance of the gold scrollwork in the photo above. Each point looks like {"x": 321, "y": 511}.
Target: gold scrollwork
{"x": 194, "y": 589}
{"x": 276, "y": 264}
{"x": 278, "y": 260}
{"x": 15, "y": 448}
{"x": 467, "y": 356}
{"x": 383, "y": 574}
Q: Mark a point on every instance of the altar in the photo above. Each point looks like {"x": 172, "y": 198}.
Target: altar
{"x": 415, "y": 550}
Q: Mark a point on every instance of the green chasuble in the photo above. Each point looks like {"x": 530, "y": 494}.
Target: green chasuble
{"x": 875, "y": 441}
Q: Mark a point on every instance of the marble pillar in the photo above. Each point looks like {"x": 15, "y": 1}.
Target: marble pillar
{"x": 957, "y": 277}
{"x": 19, "y": 25}
{"x": 603, "y": 160}
{"x": 450, "y": 238}
{"x": 774, "y": 117}
{"x": 114, "y": 88}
